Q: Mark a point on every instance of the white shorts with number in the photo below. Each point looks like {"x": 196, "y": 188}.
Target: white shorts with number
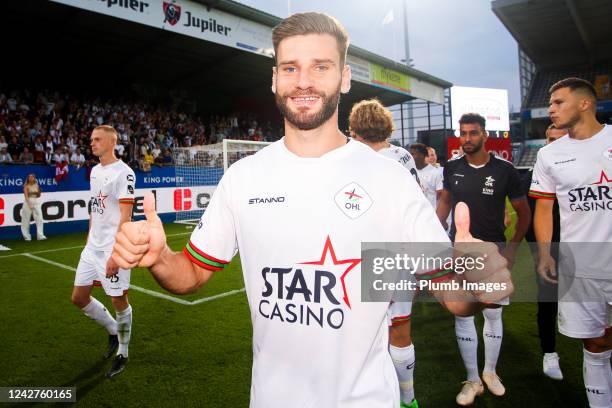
{"x": 398, "y": 313}
{"x": 585, "y": 307}
{"x": 92, "y": 267}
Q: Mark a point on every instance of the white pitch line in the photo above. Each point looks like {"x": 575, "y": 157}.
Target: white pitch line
{"x": 143, "y": 290}
{"x": 74, "y": 247}
{"x": 220, "y": 295}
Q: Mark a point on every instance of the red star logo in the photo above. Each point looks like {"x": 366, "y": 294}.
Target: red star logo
{"x": 602, "y": 177}
{"x": 101, "y": 198}
{"x": 328, "y": 248}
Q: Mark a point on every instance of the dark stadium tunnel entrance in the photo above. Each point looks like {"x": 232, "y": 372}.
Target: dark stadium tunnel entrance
{"x": 67, "y": 49}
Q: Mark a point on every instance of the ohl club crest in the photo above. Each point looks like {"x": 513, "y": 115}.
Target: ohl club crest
{"x": 172, "y": 12}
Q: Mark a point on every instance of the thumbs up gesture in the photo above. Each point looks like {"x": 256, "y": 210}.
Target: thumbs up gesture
{"x": 140, "y": 243}
{"x": 494, "y": 272}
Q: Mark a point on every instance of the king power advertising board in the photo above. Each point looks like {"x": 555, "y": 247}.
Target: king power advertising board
{"x": 68, "y": 200}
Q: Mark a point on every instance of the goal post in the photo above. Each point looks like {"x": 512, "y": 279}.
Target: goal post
{"x": 198, "y": 170}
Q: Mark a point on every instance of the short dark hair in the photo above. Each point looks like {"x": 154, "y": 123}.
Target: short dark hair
{"x": 421, "y": 148}
{"x": 574, "y": 83}
{"x": 311, "y": 23}
{"x": 471, "y": 118}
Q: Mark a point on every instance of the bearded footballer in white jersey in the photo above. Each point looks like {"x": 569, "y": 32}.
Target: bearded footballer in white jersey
{"x": 372, "y": 124}
{"x": 298, "y": 211}
{"x": 577, "y": 171}
{"x": 111, "y": 203}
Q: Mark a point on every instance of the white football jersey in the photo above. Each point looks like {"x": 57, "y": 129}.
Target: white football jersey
{"x": 299, "y": 224}
{"x": 403, "y": 156}
{"x": 578, "y": 173}
{"x": 431, "y": 182}
{"x": 111, "y": 185}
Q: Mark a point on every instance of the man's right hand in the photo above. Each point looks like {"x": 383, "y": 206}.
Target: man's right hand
{"x": 547, "y": 268}
{"x": 140, "y": 243}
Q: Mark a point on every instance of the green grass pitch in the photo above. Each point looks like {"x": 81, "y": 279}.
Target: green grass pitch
{"x": 200, "y": 354}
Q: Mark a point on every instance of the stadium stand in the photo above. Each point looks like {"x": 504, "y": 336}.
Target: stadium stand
{"x": 55, "y": 127}
{"x": 557, "y": 39}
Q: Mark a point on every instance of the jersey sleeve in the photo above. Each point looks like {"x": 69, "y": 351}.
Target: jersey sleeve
{"x": 125, "y": 187}
{"x": 542, "y": 184}
{"x": 515, "y": 187}
{"x": 446, "y": 177}
{"x": 213, "y": 243}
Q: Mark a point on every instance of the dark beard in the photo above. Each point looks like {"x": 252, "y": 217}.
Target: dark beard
{"x": 304, "y": 121}
{"x": 476, "y": 149}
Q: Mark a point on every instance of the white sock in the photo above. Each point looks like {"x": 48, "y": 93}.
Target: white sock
{"x": 492, "y": 333}
{"x": 404, "y": 359}
{"x": 467, "y": 339}
{"x": 596, "y": 374}
{"x": 124, "y": 330}
{"x": 97, "y": 312}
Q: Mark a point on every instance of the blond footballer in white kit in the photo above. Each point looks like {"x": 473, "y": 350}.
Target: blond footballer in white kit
{"x": 577, "y": 171}
{"x": 297, "y": 211}
{"x": 112, "y": 199}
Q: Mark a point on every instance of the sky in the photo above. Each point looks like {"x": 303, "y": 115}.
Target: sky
{"x": 460, "y": 41}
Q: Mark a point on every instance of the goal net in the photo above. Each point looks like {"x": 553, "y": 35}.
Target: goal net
{"x": 199, "y": 169}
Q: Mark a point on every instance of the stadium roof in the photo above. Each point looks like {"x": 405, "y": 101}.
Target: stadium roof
{"x": 559, "y": 32}
{"x": 87, "y": 49}
{"x": 253, "y": 14}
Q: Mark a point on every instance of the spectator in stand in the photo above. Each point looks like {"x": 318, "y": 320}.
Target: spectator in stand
{"x": 49, "y": 142}
{"x": 3, "y": 144}
{"x": 156, "y": 151}
{"x": 59, "y": 156}
{"x": 38, "y": 145}
{"x": 148, "y": 158}
{"x": 49, "y": 157}
{"x": 61, "y": 171}
{"x": 26, "y": 157}
{"x": 167, "y": 157}
{"x": 5, "y": 157}
{"x": 77, "y": 159}
{"x": 119, "y": 149}
{"x": 15, "y": 148}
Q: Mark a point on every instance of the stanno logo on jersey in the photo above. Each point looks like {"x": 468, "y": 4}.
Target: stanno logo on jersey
{"x": 566, "y": 161}
{"x": 593, "y": 197}
{"x": 97, "y": 203}
{"x": 353, "y": 200}
{"x": 266, "y": 200}
{"x": 608, "y": 153}
{"x": 308, "y": 293}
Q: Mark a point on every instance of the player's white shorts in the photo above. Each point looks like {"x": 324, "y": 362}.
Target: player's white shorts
{"x": 398, "y": 313}
{"x": 581, "y": 314}
{"x": 92, "y": 267}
